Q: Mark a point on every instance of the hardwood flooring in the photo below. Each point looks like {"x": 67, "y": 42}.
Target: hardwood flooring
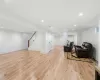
{"x": 32, "y": 65}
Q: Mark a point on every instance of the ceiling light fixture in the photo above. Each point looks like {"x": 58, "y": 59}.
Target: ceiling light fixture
{"x": 42, "y": 20}
{"x": 80, "y": 14}
{"x": 74, "y": 25}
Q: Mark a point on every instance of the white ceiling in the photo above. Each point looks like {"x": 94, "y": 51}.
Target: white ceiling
{"x": 26, "y": 15}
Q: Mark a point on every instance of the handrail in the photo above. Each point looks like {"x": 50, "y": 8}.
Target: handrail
{"x": 32, "y": 35}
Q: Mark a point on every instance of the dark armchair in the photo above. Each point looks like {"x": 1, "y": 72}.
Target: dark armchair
{"x": 69, "y": 47}
{"x": 84, "y": 50}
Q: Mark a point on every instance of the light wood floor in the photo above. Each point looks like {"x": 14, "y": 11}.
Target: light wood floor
{"x": 32, "y": 65}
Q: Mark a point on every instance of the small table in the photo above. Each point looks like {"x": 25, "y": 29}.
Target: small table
{"x": 97, "y": 73}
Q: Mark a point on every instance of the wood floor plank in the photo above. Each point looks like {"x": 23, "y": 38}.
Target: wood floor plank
{"x": 32, "y": 65}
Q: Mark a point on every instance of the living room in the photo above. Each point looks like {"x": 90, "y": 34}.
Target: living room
{"x": 49, "y": 39}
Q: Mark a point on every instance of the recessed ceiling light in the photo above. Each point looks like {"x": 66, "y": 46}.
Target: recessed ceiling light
{"x": 42, "y": 20}
{"x": 80, "y": 14}
{"x": 74, "y": 25}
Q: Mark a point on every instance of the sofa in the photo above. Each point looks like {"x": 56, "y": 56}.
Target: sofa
{"x": 84, "y": 51}
{"x": 68, "y": 47}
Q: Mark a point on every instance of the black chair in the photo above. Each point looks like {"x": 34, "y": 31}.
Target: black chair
{"x": 84, "y": 51}
{"x": 69, "y": 47}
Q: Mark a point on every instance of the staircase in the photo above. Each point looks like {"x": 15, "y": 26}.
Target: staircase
{"x": 33, "y": 35}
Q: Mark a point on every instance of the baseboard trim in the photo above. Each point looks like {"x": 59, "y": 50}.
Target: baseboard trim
{"x": 12, "y": 51}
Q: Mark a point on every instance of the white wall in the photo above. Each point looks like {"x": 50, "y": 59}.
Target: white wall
{"x": 12, "y": 41}
{"x": 79, "y": 38}
{"x": 39, "y": 43}
{"x": 49, "y": 42}
{"x": 74, "y": 35}
{"x": 44, "y": 42}
{"x": 90, "y": 35}
{"x": 57, "y": 40}
{"x": 61, "y": 39}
